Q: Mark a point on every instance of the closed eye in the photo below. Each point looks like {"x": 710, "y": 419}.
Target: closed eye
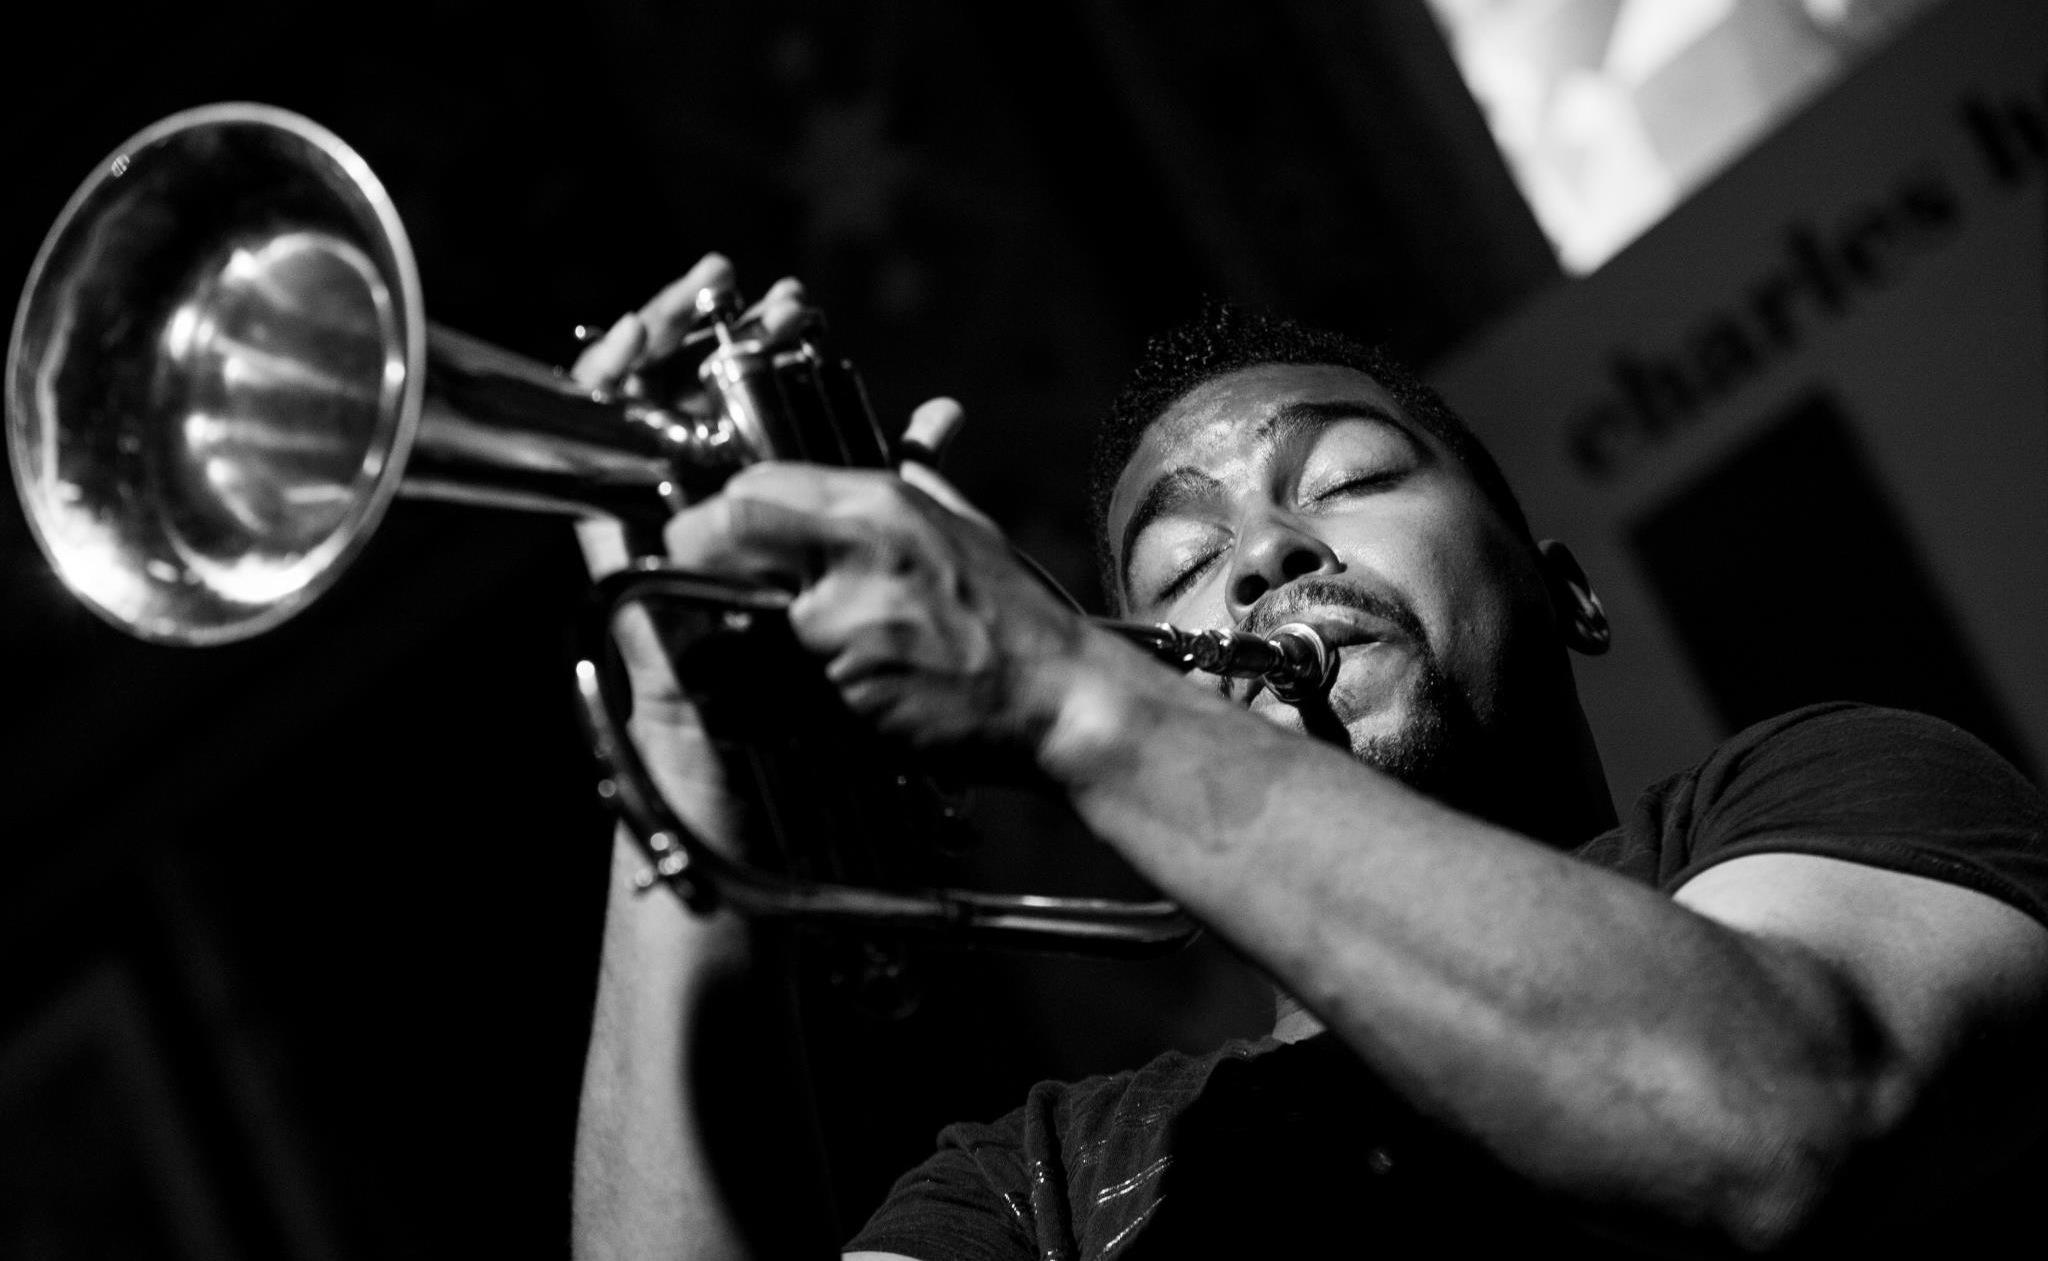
{"x": 1360, "y": 483}
{"x": 1186, "y": 577}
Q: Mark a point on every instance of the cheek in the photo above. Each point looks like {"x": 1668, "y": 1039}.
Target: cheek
{"x": 1472, "y": 584}
{"x": 1504, "y": 621}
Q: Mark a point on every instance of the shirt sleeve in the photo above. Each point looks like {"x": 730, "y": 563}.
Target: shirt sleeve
{"x": 1889, "y": 788}
{"x": 960, "y": 1203}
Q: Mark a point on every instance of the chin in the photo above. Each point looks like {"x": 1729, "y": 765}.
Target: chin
{"x": 1420, "y": 734}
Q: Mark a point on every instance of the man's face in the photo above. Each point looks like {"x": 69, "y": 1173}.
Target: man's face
{"x": 1286, "y": 493}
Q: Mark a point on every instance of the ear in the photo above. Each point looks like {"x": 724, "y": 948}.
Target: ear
{"x": 1579, "y": 615}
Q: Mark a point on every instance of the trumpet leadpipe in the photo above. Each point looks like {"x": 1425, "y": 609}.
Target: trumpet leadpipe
{"x": 1295, "y": 660}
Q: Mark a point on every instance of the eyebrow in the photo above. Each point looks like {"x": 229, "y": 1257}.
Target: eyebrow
{"x": 1170, "y": 493}
{"x": 1181, "y": 486}
{"x": 1293, "y": 418}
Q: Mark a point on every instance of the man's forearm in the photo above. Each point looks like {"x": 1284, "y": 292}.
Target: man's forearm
{"x": 642, "y": 1177}
{"x": 1596, "y": 1036}
{"x": 692, "y": 1138}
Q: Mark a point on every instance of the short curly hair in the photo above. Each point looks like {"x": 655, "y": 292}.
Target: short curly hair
{"x": 1226, "y": 338}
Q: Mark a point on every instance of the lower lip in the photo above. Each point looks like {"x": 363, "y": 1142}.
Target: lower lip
{"x": 1346, "y": 653}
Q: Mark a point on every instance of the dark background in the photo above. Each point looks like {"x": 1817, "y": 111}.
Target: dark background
{"x": 299, "y": 936}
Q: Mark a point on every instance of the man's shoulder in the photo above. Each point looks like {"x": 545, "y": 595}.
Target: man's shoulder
{"x": 1886, "y": 787}
{"x": 1849, "y": 726}
{"x": 1845, "y": 751}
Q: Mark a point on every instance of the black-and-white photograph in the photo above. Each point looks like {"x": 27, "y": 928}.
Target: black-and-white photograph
{"x": 1092, "y": 631}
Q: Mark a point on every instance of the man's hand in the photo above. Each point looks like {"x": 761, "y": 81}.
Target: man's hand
{"x": 613, "y": 363}
{"x": 927, "y": 624}
{"x": 667, "y": 727}
{"x": 640, "y": 338}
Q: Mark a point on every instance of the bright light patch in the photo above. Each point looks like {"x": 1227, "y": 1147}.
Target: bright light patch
{"x": 1610, "y": 112}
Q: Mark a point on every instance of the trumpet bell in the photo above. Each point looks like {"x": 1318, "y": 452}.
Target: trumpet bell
{"x": 215, "y": 374}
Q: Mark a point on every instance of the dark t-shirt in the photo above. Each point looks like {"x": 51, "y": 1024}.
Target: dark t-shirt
{"x": 1266, "y": 1148}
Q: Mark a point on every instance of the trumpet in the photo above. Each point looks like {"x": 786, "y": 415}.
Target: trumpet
{"x": 221, "y": 374}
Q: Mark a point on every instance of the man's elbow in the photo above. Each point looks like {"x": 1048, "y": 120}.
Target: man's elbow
{"x": 1808, "y": 1173}
{"x": 1774, "y": 1202}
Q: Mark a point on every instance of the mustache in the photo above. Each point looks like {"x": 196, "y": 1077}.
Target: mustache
{"x": 1290, "y": 602}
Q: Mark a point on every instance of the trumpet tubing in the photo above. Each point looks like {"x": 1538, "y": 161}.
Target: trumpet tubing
{"x": 221, "y": 373}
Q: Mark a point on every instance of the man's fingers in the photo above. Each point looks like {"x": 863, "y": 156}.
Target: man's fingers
{"x": 928, "y": 480}
{"x": 763, "y": 540}
{"x": 931, "y": 429}
{"x": 782, "y": 313}
{"x": 933, "y": 425}
{"x": 786, "y": 290}
{"x": 669, "y": 314}
{"x": 605, "y": 362}
{"x": 604, "y": 545}
{"x": 785, "y": 523}
{"x": 783, "y": 316}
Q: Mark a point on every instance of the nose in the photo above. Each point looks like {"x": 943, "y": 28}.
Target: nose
{"x": 1272, "y": 550}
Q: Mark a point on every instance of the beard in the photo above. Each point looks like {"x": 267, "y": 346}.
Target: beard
{"x": 1432, "y": 748}
{"x": 1436, "y": 747}
{"x": 1433, "y": 742}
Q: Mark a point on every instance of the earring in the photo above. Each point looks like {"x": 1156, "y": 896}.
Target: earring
{"x": 1590, "y": 627}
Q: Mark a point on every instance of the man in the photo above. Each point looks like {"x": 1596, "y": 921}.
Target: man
{"x": 1792, "y": 1002}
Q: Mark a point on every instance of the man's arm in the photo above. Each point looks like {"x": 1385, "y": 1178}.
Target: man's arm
{"x": 1950, "y": 984}
{"x": 1741, "y": 1066}
{"x": 693, "y": 1136}
{"x": 684, "y": 1109}
{"x": 1790, "y": 1041}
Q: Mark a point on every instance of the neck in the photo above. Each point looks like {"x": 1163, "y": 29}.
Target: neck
{"x": 1579, "y": 804}
{"x": 1546, "y": 780}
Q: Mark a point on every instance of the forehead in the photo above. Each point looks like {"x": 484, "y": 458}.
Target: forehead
{"x": 1231, "y": 418}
